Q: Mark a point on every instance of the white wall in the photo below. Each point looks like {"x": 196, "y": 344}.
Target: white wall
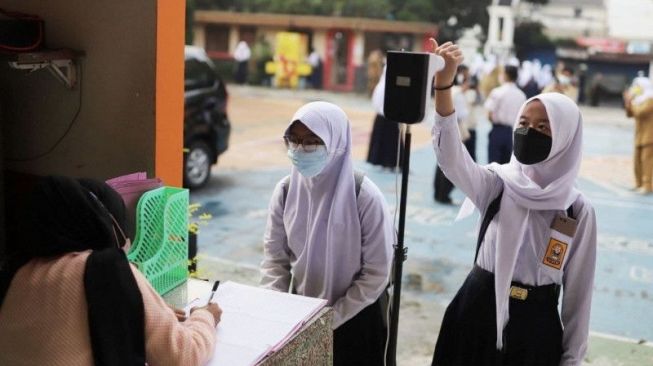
{"x": 560, "y": 22}
{"x": 199, "y": 36}
{"x": 630, "y": 19}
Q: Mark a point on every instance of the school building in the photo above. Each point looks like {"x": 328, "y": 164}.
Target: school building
{"x": 343, "y": 43}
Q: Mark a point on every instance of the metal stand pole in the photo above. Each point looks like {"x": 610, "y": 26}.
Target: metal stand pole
{"x": 399, "y": 255}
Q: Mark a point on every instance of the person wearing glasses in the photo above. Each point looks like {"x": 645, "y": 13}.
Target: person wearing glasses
{"x": 331, "y": 233}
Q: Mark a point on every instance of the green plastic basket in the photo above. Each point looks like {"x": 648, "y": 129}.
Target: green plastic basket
{"x": 160, "y": 248}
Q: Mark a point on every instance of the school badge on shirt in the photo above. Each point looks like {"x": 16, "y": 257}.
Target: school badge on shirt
{"x": 555, "y": 253}
{"x": 563, "y": 229}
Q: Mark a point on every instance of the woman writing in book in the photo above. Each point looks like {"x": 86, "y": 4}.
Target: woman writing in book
{"x": 69, "y": 296}
{"x": 538, "y": 234}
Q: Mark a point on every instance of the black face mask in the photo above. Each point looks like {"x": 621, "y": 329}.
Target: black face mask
{"x": 531, "y": 146}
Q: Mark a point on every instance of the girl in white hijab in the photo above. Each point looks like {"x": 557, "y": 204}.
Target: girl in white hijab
{"x": 538, "y": 234}
{"x": 331, "y": 236}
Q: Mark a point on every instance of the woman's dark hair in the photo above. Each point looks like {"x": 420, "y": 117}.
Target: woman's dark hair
{"x": 65, "y": 215}
{"x": 72, "y": 215}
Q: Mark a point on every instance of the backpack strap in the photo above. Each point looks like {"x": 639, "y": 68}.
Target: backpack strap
{"x": 570, "y": 211}
{"x": 492, "y": 210}
{"x": 358, "y": 182}
{"x": 284, "y": 186}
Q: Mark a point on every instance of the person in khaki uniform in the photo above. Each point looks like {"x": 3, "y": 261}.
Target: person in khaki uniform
{"x": 564, "y": 85}
{"x": 638, "y": 101}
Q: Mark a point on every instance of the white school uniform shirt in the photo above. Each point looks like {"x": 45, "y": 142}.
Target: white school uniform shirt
{"x": 504, "y": 103}
{"x": 337, "y": 246}
{"x": 314, "y": 59}
{"x": 482, "y": 184}
{"x": 242, "y": 52}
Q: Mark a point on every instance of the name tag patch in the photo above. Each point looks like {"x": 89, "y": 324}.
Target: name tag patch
{"x": 555, "y": 253}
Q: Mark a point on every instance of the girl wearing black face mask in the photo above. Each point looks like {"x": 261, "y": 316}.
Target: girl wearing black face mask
{"x": 537, "y": 235}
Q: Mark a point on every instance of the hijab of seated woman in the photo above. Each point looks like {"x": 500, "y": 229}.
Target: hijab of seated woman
{"x": 72, "y": 215}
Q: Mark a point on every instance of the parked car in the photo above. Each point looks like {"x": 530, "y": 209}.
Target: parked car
{"x": 206, "y": 125}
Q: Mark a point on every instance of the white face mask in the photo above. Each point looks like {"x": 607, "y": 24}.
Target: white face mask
{"x": 460, "y": 79}
{"x": 309, "y": 164}
{"x": 564, "y": 80}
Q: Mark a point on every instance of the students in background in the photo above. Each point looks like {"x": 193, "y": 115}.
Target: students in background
{"x": 537, "y": 237}
{"x": 330, "y": 230}
{"x": 69, "y": 296}
{"x": 502, "y": 105}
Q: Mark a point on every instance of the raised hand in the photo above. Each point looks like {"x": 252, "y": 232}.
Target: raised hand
{"x": 452, "y": 56}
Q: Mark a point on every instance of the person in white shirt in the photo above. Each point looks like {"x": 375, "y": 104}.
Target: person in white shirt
{"x": 537, "y": 235}
{"x": 332, "y": 232}
{"x": 315, "y": 61}
{"x": 242, "y": 54}
{"x": 502, "y": 104}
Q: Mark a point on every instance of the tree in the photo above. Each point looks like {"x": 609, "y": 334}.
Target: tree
{"x": 529, "y": 36}
{"x": 451, "y": 15}
{"x": 190, "y": 9}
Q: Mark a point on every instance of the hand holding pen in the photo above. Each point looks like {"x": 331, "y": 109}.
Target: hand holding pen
{"x": 213, "y": 290}
{"x": 212, "y": 307}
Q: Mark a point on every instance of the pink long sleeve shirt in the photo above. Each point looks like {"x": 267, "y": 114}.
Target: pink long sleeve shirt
{"x": 44, "y": 320}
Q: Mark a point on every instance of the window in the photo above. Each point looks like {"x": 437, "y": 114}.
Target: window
{"x": 217, "y": 38}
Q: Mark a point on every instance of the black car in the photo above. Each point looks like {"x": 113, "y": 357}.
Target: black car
{"x": 206, "y": 126}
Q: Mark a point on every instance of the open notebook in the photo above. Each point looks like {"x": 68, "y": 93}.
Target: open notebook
{"x": 256, "y": 322}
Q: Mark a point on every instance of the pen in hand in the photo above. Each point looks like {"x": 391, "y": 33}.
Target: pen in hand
{"x": 215, "y": 287}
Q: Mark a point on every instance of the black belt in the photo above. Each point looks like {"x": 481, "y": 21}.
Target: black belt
{"x": 520, "y": 292}
{"x": 544, "y": 294}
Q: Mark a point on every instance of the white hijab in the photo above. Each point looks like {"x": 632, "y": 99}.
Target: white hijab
{"x": 545, "y": 77}
{"x": 548, "y": 185}
{"x": 646, "y": 87}
{"x": 525, "y": 73}
{"x": 321, "y": 212}
{"x": 378, "y": 94}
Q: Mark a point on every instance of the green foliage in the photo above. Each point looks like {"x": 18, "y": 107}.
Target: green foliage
{"x": 529, "y": 36}
{"x": 190, "y": 9}
{"x": 565, "y": 42}
{"x": 466, "y": 12}
{"x": 355, "y": 8}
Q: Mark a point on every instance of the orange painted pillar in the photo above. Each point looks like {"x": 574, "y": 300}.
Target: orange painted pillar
{"x": 169, "y": 94}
